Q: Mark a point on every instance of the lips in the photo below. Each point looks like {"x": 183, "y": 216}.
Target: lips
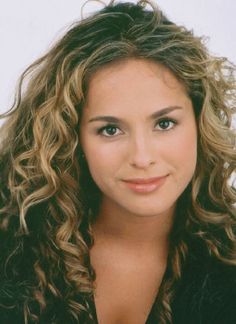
{"x": 144, "y": 180}
{"x": 145, "y": 185}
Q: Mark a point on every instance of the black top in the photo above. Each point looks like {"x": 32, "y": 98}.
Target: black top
{"x": 206, "y": 294}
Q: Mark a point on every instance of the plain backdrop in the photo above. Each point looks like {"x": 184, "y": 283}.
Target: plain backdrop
{"x": 28, "y": 28}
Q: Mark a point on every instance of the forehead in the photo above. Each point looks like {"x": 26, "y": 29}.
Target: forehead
{"x": 127, "y": 69}
{"x": 134, "y": 83}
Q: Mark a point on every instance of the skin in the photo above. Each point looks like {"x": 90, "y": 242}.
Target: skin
{"x": 133, "y": 226}
{"x": 138, "y": 146}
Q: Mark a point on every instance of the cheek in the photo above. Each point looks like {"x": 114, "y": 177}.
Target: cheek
{"x": 103, "y": 161}
{"x": 182, "y": 153}
{"x": 186, "y": 152}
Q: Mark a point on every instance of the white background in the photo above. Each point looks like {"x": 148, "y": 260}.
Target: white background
{"x": 29, "y": 27}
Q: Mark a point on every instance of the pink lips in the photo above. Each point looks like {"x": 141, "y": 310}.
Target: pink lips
{"x": 145, "y": 185}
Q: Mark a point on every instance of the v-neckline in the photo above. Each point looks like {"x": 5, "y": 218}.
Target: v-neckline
{"x": 150, "y": 319}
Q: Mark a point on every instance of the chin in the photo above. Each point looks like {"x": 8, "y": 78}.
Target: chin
{"x": 143, "y": 211}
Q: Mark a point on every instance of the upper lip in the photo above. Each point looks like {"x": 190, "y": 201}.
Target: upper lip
{"x": 143, "y": 180}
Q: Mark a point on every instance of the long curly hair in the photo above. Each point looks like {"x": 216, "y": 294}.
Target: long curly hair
{"x": 48, "y": 199}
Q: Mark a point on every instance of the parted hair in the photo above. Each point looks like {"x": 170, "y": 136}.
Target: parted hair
{"x": 48, "y": 199}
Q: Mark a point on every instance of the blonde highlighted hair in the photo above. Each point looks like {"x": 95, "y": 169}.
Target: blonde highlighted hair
{"x": 48, "y": 200}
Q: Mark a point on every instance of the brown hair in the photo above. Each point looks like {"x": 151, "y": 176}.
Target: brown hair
{"x": 47, "y": 197}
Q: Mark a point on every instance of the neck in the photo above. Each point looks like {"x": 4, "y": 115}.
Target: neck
{"x": 117, "y": 226}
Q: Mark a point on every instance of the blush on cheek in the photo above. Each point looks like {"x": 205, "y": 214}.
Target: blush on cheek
{"x": 183, "y": 150}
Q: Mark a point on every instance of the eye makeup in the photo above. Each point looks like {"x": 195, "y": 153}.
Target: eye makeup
{"x": 113, "y": 130}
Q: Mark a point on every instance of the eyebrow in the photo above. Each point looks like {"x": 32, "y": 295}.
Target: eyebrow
{"x": 155, "y": 115}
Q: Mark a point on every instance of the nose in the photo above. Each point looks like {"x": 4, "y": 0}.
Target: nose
{"x": 141, "y": 152}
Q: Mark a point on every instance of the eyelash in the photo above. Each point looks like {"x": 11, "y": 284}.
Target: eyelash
{"x": 101, "y": 130}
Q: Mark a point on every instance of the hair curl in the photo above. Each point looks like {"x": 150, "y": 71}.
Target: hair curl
{"x": 48, "y": 200}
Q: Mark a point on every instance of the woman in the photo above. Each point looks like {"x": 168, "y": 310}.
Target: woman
{"x": 117, "y": 203}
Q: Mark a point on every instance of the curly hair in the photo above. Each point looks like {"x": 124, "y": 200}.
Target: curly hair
{"x": 48, "y": 199}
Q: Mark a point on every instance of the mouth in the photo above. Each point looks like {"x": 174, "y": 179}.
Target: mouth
{"x": 145, "y": 185}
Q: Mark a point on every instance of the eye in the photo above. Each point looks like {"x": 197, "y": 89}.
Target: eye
{"x": 109, "y": 131}
{"x": 165, "y": 124}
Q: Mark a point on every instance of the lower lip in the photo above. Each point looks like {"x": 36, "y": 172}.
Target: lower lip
{"x": 147, "y": 187}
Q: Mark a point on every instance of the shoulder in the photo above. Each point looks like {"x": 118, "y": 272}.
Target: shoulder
{"x": 206, "y": 293}
{"x": 19, "y": 287}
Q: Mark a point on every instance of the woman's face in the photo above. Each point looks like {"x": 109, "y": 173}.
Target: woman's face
{"x": 138, "y": 125}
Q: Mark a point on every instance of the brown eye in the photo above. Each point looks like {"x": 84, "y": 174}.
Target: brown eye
{"x": 109, "y": 131}
{"x": 165, "y": 124}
